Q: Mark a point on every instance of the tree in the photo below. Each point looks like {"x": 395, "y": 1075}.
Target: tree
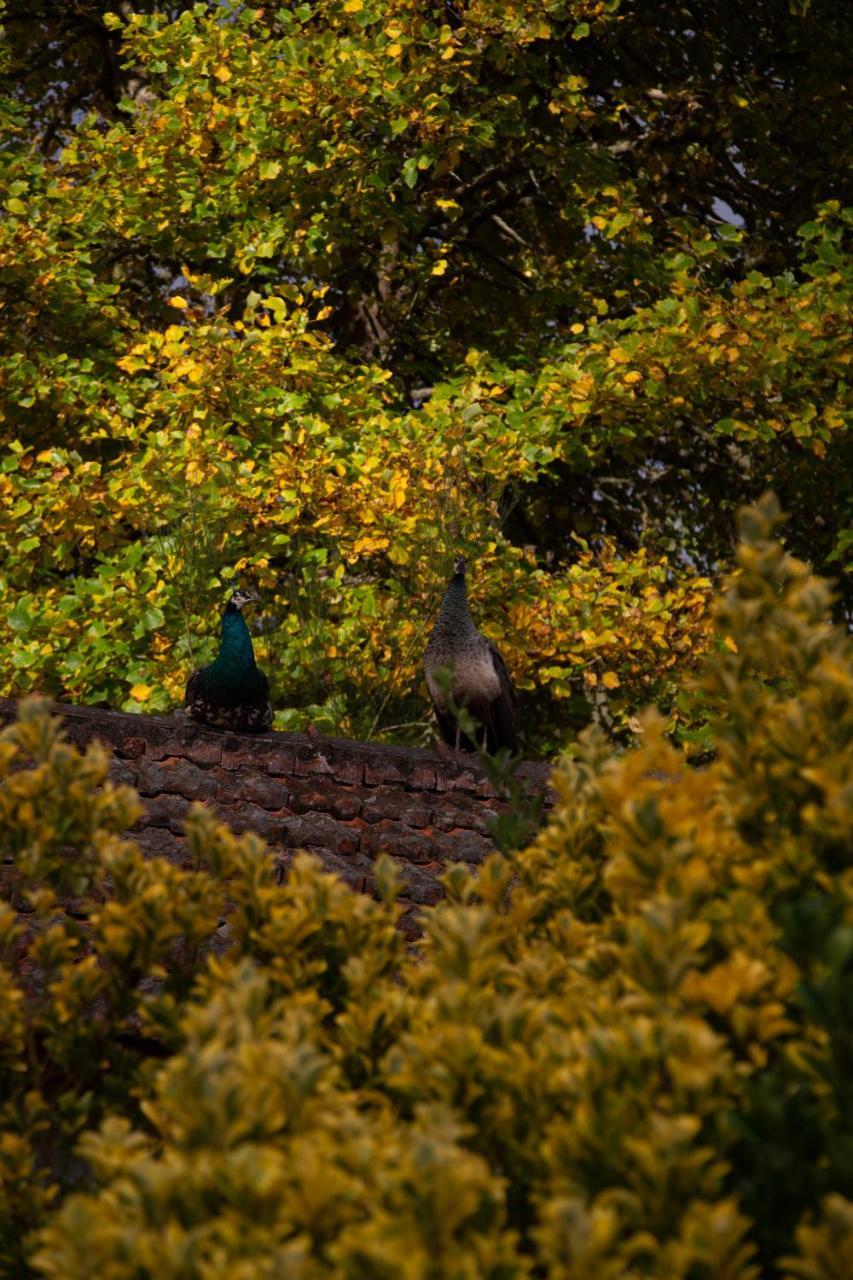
{"x": 315, "y": 290}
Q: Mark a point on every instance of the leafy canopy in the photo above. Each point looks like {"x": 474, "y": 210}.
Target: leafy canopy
{"x": 319, "y": 293}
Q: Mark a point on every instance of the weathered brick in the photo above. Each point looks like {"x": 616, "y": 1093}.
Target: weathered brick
{"x": 205, "y": 752}
{"x": 282, "y": 862}
{"x": 162, "y": 843}
{"x": 409, "y": 923}
{"x": 177, "y": 777}
{"x": 333, "y": 756}
{"x": 269, "y": 793}
{"x": 164, "y": 811}
{"x": 423, "y": 778}
{"x": 318, "y": 830}
{"x": 353, "y": 871}
{"x": 391, "y": 837}
{"x": 122, "y": 774}
{"x": 279, "y": 761}
{"x": 81, "y": 734}
{"x": 309, "y": 763}
{"x": 473, "y": 851}
{"x": 470, "y": 813}
{"x": 378, "y": 770}
{"x": 349, "y": 770}
{"x": 536, "y": 773}
{"x": 252, "y": 751}
{"x": 461, "y": 845}
{"x": 130, "y": 748}
{"x": 393, "y": 802}
{"x": 160, "y": 739}
{"x": 242, "y": 817}
{"x": 459, "y": 778}
{"x": 421, "y": 886}
{"x": 345, "y": 801}
{"x": 324, "y": 795}
{"x": 316, "y": 754}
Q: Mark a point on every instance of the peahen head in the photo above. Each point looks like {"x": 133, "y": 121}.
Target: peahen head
{"x": 241, "y": 597}
{"x": 460, "y": 564}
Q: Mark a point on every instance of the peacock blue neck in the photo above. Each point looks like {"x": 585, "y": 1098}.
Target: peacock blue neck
{"x": 236, "y": 658}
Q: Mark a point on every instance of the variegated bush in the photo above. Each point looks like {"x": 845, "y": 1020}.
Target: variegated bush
{"x": 624, "y": 1052}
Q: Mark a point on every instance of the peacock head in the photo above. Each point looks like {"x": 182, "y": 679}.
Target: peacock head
{"x": 460, "y": 564}
{"x": 243, "y": 596}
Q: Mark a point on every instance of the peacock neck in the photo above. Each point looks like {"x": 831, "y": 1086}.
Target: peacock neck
{"x": 236, "y": 653}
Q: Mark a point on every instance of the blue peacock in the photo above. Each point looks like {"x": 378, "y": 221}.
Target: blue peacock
{"x": 232, "y": 692}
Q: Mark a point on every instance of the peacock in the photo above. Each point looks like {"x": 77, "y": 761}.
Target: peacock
{"x": 232, "y": 692}
{"x": 480, "y": 681}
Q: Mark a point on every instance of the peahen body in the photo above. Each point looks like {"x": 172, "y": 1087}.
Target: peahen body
{"x": 231, "y": 692}
{"x": 481, "y": 682}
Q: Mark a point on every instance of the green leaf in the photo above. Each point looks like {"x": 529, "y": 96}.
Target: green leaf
{"x": 19, "y": 618}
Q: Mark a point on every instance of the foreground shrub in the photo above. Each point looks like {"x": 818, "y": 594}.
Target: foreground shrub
{"x": 623, "y": 1052}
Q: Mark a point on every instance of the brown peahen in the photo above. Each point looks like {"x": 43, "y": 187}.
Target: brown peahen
{"x": 480, "y": 681}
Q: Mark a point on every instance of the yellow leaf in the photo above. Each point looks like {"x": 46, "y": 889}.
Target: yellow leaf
{"x": 730, "y": 644}
{"x": 353, "y": 6}
{"x": 440, "y": 267}
{"x": 610, "y": 680}
{"x": 222, "y": 74}
{"x": 368, "y": 544}
{"x": 178, "y": 302}
{"x": 576, "y": 328}
{"x": 141, "y": 692}
{"x": 394, "y": 50}
{"x": 633, "y": 377}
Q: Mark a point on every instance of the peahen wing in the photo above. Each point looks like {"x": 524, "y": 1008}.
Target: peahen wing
{"x": 447, "y": 729}
{"x": 499, "y": 719}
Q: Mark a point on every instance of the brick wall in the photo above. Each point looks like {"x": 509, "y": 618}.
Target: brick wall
{"x": 345, "y": 801}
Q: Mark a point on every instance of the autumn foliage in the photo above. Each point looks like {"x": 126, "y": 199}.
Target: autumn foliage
{"x": 624, "y": 1050}
{"x": 314, "y": 294}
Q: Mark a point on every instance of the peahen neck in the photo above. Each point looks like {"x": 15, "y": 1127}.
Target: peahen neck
{"x": 236, "y": 656}
{"x": 454, "y": 619}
